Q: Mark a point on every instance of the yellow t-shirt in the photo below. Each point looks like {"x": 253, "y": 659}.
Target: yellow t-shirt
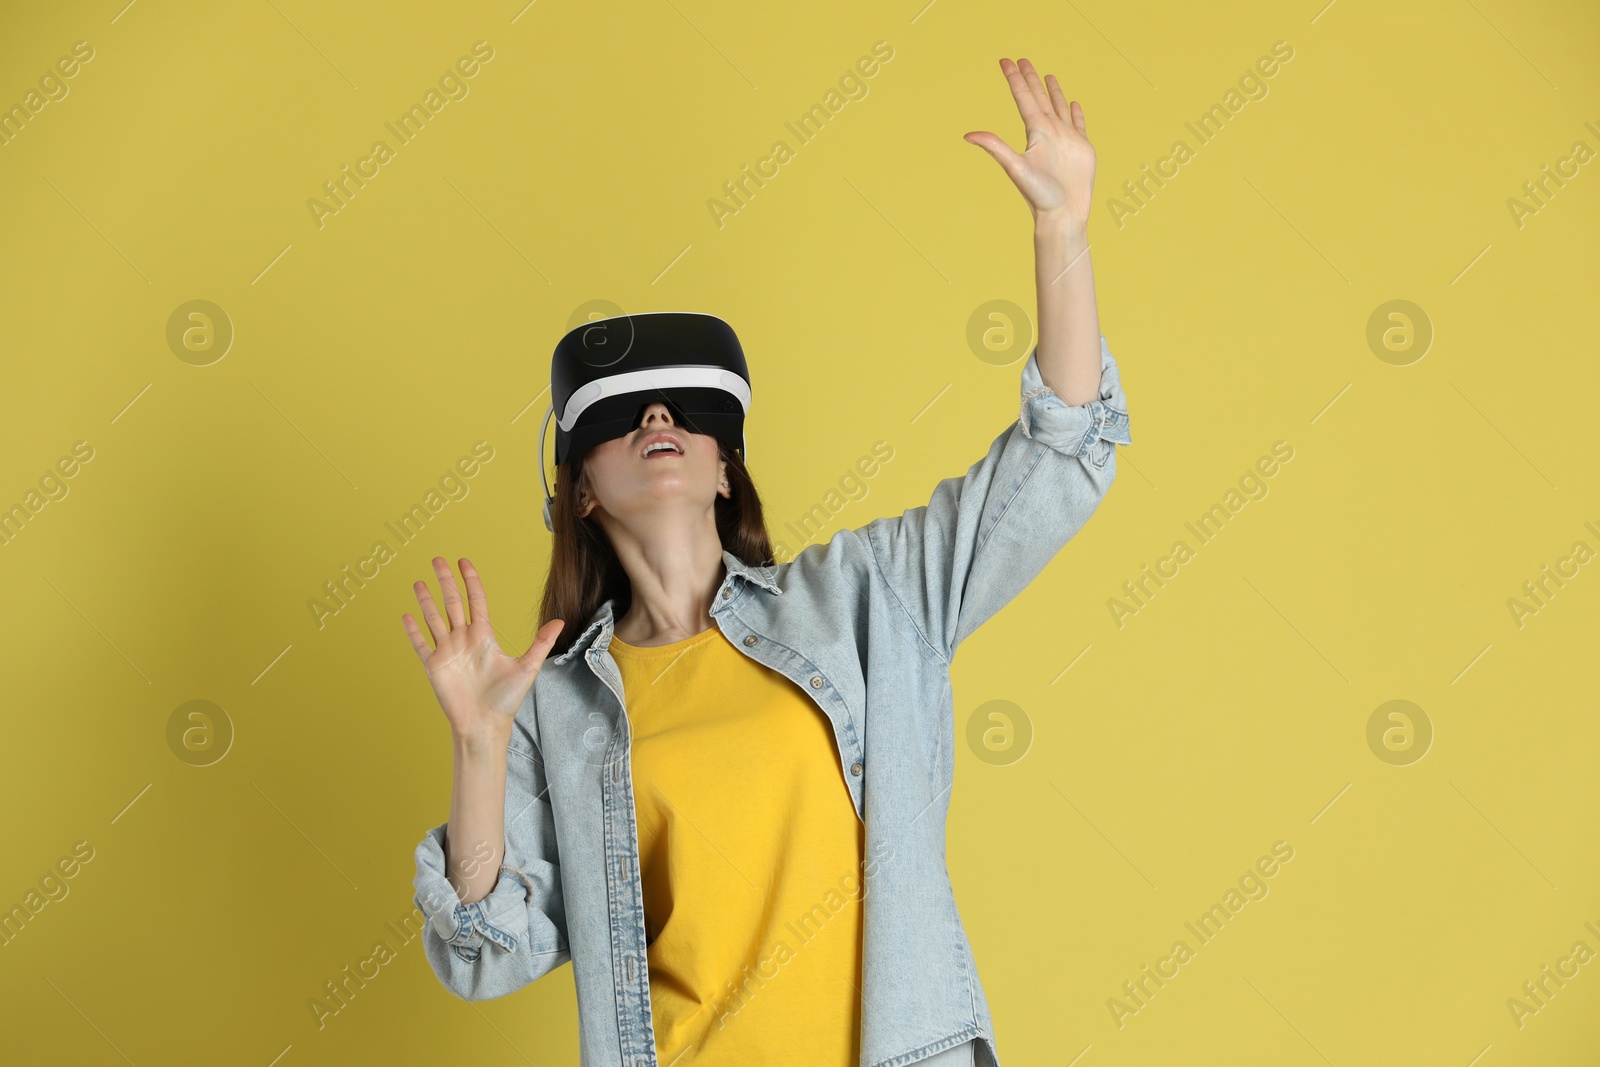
{"x": 750, "y": 853}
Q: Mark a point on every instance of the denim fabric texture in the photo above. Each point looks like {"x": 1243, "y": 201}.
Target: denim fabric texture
{"x": 865, "y": 624}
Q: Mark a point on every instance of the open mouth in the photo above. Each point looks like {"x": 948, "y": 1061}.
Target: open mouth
{"x": 662, "y": 444}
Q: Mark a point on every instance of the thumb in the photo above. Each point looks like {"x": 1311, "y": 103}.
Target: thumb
{"x": 1008, "y": 159}
{"x": 543, "y": 640}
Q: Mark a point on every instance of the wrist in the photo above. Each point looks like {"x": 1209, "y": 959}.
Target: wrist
{"x": 1059, "y": 224}
{"x": 481, "y": 741}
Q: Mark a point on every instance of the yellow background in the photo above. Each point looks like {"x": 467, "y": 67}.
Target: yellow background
{"x": 373, "y": 352}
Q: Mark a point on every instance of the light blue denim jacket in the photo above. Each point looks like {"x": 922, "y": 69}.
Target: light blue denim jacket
{"x": 865, "y": 624}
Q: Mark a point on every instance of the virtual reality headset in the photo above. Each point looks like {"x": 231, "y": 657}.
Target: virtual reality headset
{"x": 606, "y": 372}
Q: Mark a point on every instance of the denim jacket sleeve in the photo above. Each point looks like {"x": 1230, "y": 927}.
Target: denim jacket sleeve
{"x": 517, "y": 933}
{"x": 982, "y": 537}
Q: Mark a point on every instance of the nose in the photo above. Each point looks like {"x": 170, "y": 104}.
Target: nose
{"x": 655, "y": 414}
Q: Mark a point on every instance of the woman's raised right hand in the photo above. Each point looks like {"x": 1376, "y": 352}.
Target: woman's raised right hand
{"x": 478, "y": 686}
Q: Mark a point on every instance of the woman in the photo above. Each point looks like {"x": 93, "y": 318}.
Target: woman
{"x": 736, "y": 878}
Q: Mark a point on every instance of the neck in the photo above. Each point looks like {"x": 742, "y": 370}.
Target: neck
{"x": 674, "y": 571}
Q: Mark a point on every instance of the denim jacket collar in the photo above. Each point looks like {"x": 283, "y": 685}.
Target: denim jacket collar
{"x": 602, "y": 622}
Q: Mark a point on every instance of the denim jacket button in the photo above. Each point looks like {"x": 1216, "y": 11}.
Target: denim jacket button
{"x": 816, "y": 681}
{"x": 855, "y": 769}
{"x": 726, "y": 593}
{"x": 750, "y": 640}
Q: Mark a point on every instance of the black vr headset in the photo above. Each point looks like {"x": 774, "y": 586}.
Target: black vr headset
{"x": 606, "y": 372}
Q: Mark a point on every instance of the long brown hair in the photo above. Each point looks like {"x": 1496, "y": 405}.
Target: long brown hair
{"x": 585, "y": 571}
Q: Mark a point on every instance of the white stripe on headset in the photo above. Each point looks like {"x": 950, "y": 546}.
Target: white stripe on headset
{"x": 651, "y": 380}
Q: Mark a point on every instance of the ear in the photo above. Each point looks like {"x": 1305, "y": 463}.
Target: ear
{"x": 582, "y": 510}
{"x": 722, "y": 479}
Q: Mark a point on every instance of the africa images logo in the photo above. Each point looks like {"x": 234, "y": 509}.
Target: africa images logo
{"x": 452, "y": 85}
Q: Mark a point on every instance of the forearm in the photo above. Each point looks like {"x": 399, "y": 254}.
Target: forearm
{"x": 475, "y": 840}
{"x": 1069, "y": 323}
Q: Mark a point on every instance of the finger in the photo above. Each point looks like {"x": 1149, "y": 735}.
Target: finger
{"x": 1078, "y": 120}
{"x": 1059, "y": 98}
{"x": 996, "y": 146}
{"x": 1027, "y": 103}
{"x": 430, "y": 613}
{"x": 1035, "y": 86}
{"x": 418, "y": 642}
{"x": 546, "y": 637}
{"x": 476, "y": 600}
{"x": 452, "y": 596}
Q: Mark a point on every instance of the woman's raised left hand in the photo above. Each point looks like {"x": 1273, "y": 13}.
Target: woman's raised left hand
{"x": 1055, "y": 172}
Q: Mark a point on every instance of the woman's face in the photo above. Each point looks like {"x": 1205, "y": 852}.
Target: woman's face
{"x": 633, "y": 480}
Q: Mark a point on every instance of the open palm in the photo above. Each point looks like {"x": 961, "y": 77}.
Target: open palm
{"x": 1055, "y": 172}
{"x": 478, "y": 686}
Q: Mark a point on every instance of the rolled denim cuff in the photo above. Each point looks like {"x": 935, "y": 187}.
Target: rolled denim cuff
{"x": 467, "y": 926}
{"x": 1083, "y": 430}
